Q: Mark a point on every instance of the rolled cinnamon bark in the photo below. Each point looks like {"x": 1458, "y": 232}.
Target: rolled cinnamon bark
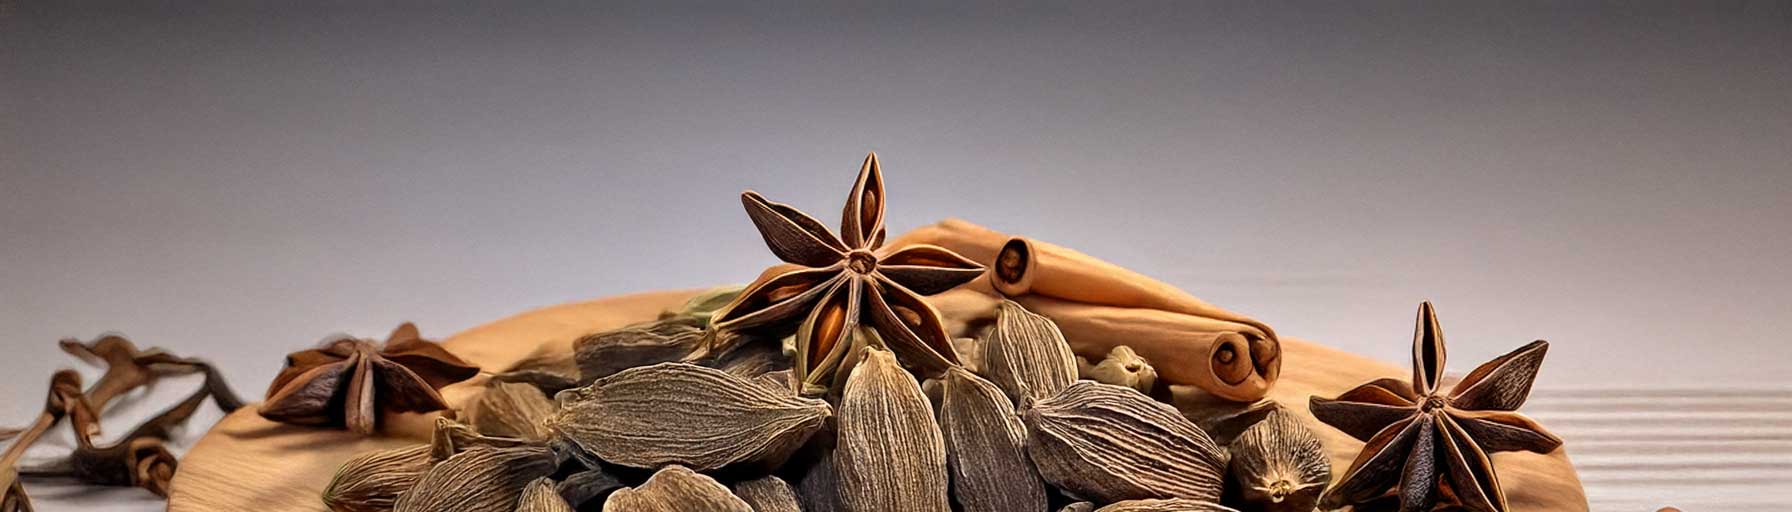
{"x": 1215, "y": 355}
{"x": 1020, "y": 266}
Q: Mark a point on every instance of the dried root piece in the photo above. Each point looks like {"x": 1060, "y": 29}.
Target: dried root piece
{"x": 1122, "y": 367}
{"x": 676, "y": 489}
{"x": 891, "y": 454}
{"x": 1169, "y": 505}
{"x": 540, "y": 496}
{"x": 1026, "y": 356}
{"x": 508, "y": 409}
{"x": 479, "y": 479}
{"x": 767, "y": 494}
{"x": 1279, "y": 466}
{"x": 676, "y": 413}
{"x": 12, "y": 492}
{"x": 372, "y": 481}
{"x": 986, "y": 447}
{"x": 1108, "y": 443}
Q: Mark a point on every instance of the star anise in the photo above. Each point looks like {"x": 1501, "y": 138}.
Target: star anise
{"x": 1426, "y": 445}
{"x": 347, "y": 381}
{"x": 847, "y": 281}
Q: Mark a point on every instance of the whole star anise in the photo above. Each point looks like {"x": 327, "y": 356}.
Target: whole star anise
{"x": 1426, "y": 445}
{"x": 847, "y": 281}
{"x": 347, "y": 381}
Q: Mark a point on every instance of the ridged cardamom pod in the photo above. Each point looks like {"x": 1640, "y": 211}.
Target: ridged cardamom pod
{"x": 587, "y": 487}
{"x": 1026, "y": 356}
{"x": 451, "y": 437}
{"x": 372, "y": 481}
{"x": 1081, "y": 506}
{"x": 1122, "y": 367}
{"x": 986, "y": 447}
{"x": 1167, "y": 505}
{"x": 677, "y": 413}
{"x": 890, "y": 453}
{"x": 1278, "y": 465}
{"x": 603, "y": 354}
{"x": 819, "y": 488}
{"x": 478, "y": 479}
{"x": 541, "y": 496}
{"x": 1108, "y": 443}
{"x": 512, "y": 409}
{"x": 767, "y": 494}
{"x": 676, "y": 489}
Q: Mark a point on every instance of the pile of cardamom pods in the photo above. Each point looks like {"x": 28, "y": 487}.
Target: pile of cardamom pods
{"x": 656, "y": 417}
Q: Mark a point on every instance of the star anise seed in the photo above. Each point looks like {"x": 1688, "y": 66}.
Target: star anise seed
{"x": 836, "y": 284}
{"x": 1428, "y": 446}
{"x": 347, "y": 382}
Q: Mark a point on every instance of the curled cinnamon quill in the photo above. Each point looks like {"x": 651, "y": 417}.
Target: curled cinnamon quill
{"x": 1099, "y": 305}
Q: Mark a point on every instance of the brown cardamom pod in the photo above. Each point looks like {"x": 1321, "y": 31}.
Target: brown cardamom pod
{"x": 1108, "y": 443}
{"x": 677, "y": 413}
{"x": 478, "y": 479}
{"x": 986, "y": 447}
{"x": 1167, "y": 505}
{"x": 540, "y": 496}
{"x": 1279, "y": 466}
{"x": 372, "y": 481}
{"x": 512, "y": 409}
{"x": 891, "y": 455}
{"x": 603, "y": 354}
{"x": 1026, "y": 356}
{"x": 767, "y": 494}
{"x": 1081, "y": 506}
{"x": 676, "y": 489}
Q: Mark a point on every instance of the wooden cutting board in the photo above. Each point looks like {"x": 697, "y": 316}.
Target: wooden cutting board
{"x": 248, "y": 463}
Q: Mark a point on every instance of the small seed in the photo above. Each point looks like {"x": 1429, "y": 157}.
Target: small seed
{"x": 1122, "y": 367}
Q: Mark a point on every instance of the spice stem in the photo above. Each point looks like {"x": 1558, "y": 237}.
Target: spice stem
{"x": 26, "y": 438}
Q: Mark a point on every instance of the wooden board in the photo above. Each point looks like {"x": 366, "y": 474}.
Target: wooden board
{"x": 248, "y": 463}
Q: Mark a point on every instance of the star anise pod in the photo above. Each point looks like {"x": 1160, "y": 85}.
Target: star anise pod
{"x": 1426, "y": 445}
{"x": 348, "y": 381}
{"x": 843, "y": 282}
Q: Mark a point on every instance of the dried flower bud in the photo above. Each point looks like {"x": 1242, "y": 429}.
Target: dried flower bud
{"x": 1109, "y": 443}
{"x": 676, "y": 489}
{"x": 372, "y": 481}
{"x": 540, "y": 496}
{"x": 1122, "y": 367}
{"x": 478, "y": 479}
{"x": 676, "y": 413}
{"x": 508, "y": 409}
{"x": 1026, "y": 356}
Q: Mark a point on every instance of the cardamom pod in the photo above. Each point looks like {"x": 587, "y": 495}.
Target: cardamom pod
{"x": 478, "y": 479}
{"x": 603, "y": 354}
{"x": 676, "y": 489}
{"x": 678, "y": 413}
{"x": 372, "y": 481}
{"x": 510, "y": 409}
{"x": 767, "y": 494}
{"x": 587, "y": 487}
{"x": 890, "y": 453}
{"x": 541, "y": 496}
{"x": 1081, "y": 506}
{"x": 1026, "y": 356}
{"x": 986, "y": 447}
{"x": 750, "y": 359}
{"x": 451, "y": 437}
{"x": 702, "y": 306}
{"x": 1278, "y": 465}
{"x": 1122, "y": 367}
{"x": 819, "y": 487}
{"x": 1108, "y": 443}
{"x": 1164, "y": 505}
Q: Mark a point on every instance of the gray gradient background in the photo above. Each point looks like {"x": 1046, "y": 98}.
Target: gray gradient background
{"x": 237, "y": 180}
